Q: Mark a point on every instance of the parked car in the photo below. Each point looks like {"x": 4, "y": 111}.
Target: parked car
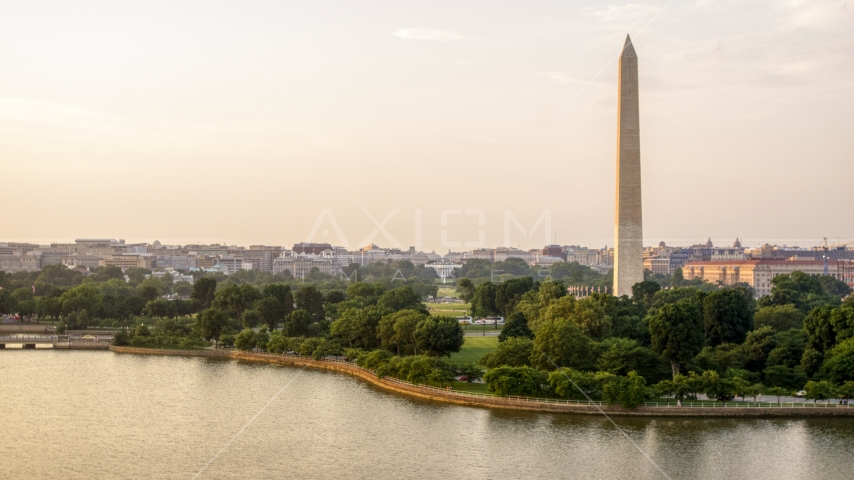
{"x": 802, "y": 393}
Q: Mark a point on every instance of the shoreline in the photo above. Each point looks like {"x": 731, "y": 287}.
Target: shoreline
{"x": 503, "y": 403}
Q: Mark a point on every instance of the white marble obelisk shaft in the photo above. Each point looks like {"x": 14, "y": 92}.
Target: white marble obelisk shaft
{"x": 628, "y": 221}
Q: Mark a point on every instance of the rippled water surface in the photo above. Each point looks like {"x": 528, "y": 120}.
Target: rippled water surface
{"x": 87, "y": 415}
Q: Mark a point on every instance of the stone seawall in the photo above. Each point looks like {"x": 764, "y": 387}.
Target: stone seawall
{"x": 498, "y": 402}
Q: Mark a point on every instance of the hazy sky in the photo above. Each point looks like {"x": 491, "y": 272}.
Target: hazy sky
{"x": 244, "y": 122}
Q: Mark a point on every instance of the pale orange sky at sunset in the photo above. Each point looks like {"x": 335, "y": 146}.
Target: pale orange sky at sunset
{"x": 262, "y": 122}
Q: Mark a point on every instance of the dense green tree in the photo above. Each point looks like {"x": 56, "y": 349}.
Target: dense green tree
{"x": 779, "y": 317}
{"x": 270, "y": 310}
{"x": 630, "y": 390}
{"x": 365, "y": 292}
{"x": 26, "y": 302}
{"x": 799, "y": 289}
{"x": 470, "y": 372}
{"x": 48, "y": 307}
{"x": 839, "y": 362}
{"x": 568, "y": 382}
{"x": 780, "y": 376}
{"x": 561, "y": 343}
{"x": 717, "y": 387}
{"x": 622, "y": 355}
{"x": 674, "y": 295}
{"x": 345, "y": 327}
{"x": 262, "y": 337}
{"x": 727, "y": 316}
{"x": 211, "y": 322}
{"x": 822, "y": 390}
{"x": 846, "y": 390}
{"x": 161, "y": 308}
{"x": 150, "y": 289}
{"x": 251, "y": 318}
{"x": 721, "y": 358}
{"x": 439, "y": 336}
{"x": 778, "y": 392}
{"x": 373, "y": 359}
{"x": 790, "y": 348}
{"x": 644, "y": 292}
{"x": 137, "y": 275}
{"x": 226, "y": 339}
{"x": 819, "y": 328}
{"x": 116, "y": 288}
{"x": 466, "y": 289}
{"x": 591, "y": 317}
{"x": 108, "y": 272}
{"x": 81, "y": 297}
{"x": 515, "y": 352}
{"x": 505, "y": 381}
{"x": 680, "y": 387}
{"x": 832, "y": 286}
{"x": 827, "y": 325}
{"x": 142, "y": 331}
{"x": 297, "y": 323}
{"x": 483, "y": 301}
{"x": 358, "y": 326}
{"x": 80, "y": 321}
{"x": 245, "y": 340}
{"x": 401, "y": 298}
{"x": 396, "y": 331}
{"x": 236, "y": 299}
{"x": 758, "y": 346}
{"x": 516, "y": 326}
{"x": 58, "y": 275}
{"x": 676, "y": 332}
{"x": 309, "y": 299}
{"x": 204, "y": 291}
{"x": 508, "y": 294}
{"x": 182, "y": 289}
{"x": 282, "y": 293}
{"x": 277, "y": 343}
{"x": 334, "y": 296}
{"x": 626, "y": 317}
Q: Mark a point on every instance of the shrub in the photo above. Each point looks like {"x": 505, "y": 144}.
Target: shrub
{"x": 514, "y": 380}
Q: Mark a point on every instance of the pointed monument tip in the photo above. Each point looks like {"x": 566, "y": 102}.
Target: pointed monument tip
{"x": 628, "y": 48}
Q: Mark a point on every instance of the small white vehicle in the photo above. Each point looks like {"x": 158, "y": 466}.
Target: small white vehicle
{"x": 802, "y": 393}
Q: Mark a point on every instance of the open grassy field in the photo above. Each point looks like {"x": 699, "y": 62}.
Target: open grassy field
{"x": 448, "y": 309}
{"x": 473, "y": 349}
{"x": 446, "y": 291}
{"x": 471, "y": 388}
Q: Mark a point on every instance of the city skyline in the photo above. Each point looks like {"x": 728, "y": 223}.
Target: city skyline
{"x": 187, "y": 140}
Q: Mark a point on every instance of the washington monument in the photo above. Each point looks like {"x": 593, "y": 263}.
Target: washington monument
{"x": 628, "y": 221}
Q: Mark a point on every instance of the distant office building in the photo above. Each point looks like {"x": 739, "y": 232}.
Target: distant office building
{"x": 261, "y": 257}
{"x": 231, "y": 264}
{"x": 140, "y": 260}
{"x": 554, "y": 251}
{"x": 311, "y": 248}
{"x": 20, "y": 263}
{"x": 756, "y": 273}
{"x": 547, "y": 261}
{"x": 300, "y": 264}
{"x": 657, "y": 265}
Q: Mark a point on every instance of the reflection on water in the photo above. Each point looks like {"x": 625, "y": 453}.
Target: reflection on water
{"x": 77, "y": 414}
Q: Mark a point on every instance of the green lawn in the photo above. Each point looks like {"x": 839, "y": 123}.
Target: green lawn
{"x": 471, "y": 388}
{"x": 448, "y": 309}
{"x": 448, "y": 291}
{"x": 473, "y": 349}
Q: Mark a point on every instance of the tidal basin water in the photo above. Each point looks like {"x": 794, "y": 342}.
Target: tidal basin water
{"x": 77, "y": 414}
